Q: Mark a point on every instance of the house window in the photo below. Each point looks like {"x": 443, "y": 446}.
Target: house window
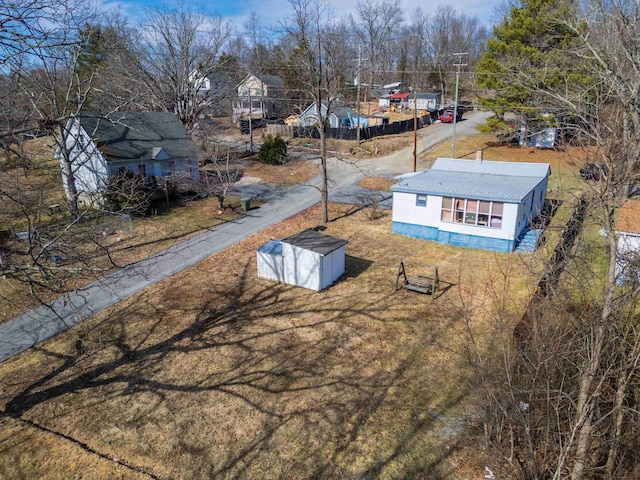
{"x": 447, "y": 203}
{"x": 480, "y": 213}
{"x": 421, "y": 200}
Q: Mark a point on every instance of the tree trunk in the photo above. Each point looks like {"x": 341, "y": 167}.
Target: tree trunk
{"x": 68, "y": 174}
{"x": 586, "y": 395}
{"x": 324, "y": 189}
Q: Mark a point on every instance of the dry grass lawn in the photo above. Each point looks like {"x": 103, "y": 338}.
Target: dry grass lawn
{"x": 215, "y": 373}
{"x": 377, "y": 183}
{"x": 292, "y": 173}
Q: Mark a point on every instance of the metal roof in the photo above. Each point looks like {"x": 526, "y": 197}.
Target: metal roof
{"x": 507, "y": 182}
{"x": 272, "y": 247}
{"x": 137, "y": 135}
{"x": 428, "y": 96}
{"x": 315, "y": 241}
{"x": 515, "y": 169}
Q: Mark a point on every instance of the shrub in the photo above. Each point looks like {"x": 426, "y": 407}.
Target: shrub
{"x": 273, "y": 150}
{"x": 127, "y": 192}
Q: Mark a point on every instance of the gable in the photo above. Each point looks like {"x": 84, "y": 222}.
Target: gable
{"x": 139, "y": 135}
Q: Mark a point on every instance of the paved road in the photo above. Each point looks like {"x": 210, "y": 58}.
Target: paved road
{"x": 44, "y": 322}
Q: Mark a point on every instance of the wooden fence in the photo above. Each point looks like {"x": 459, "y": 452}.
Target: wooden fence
{"x": 289, "y": 131}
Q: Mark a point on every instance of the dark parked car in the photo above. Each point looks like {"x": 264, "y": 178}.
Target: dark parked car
{"x": 593, "y": 171}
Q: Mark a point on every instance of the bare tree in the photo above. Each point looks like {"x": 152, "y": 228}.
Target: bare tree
{"x": 52, "y": 250}
{"x": 219, "y": 174}
{"x": 48, "y": 85}
{"x": 171, "y": 58}
{"x": 310, "y": 26}
{"x": 449, "y": 32}
{"x": 375, "y": 23}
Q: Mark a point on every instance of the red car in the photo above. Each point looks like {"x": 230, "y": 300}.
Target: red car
{"x": 447, "y": 116}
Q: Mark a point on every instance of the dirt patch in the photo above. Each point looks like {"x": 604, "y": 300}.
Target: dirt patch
{"x": 377, "y": 183}
{"x": 292, "y": 173}
{"x": 216, "y": 373}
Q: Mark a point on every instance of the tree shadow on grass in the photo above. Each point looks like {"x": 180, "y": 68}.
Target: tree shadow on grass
{"x": 304, "y": 378}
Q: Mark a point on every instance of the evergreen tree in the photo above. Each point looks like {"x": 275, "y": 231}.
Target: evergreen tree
{"x": 526, "y": 58}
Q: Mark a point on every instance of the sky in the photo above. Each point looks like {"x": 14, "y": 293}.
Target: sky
{"x": 272, "y": 11}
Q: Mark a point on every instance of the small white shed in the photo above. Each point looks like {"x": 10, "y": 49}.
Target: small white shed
{"x": 307, "y": 259}
{"x": 270, "y": 261}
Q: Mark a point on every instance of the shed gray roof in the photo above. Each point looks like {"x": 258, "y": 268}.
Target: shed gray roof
{"x": 137, "y": 135}
{"x": 315, "y": 241}
{"x": 483, "y": 180}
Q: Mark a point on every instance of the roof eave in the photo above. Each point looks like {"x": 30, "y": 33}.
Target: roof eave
{"x": 448, "y": 194}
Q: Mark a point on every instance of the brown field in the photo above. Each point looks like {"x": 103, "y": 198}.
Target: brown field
{"x": 377, "y": 183}
{"x": 217, "y": 374}
{"x": 293, "y": 173}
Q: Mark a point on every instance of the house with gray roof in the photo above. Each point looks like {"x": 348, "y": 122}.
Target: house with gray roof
{"x": 259, "y": 96}
{"x": 471, "y": 203}
{"x": 340, "y": 116}
{"x": 153, "y": 144}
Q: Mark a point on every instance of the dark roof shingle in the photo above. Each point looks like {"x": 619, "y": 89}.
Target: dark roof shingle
{"x": 315, "y": 241}
{"x": 137, "y": 135}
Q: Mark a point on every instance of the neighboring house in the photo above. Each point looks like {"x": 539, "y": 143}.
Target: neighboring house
{"x": 384, "y": 101}
{"x": 399, "y": 99}
{"x": 628, "y": 230}
{"x": 479, "y": 204}
{"x": 258, "y": 97}
{"x": 425, "y": 101}
{"x": 307, "y": 259}
{"x": 154, "y": 144}
{"x": 217, "y": 90}
{"x": 340, "y": 116}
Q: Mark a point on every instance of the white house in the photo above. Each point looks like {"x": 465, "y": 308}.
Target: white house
{"x": 471, "y": 203}
{"x": 425, "y": 101}
{"x": 154, "y": 144}
{"x": 258, "y": 97}
{"x": 307, "y": 259}
{"x": 628, "y": 231}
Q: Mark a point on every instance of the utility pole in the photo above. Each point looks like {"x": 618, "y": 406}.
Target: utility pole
{"x": 455, "y": 103}
{"x": 358, "y": 94}
{"x": 415, "y": 131}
